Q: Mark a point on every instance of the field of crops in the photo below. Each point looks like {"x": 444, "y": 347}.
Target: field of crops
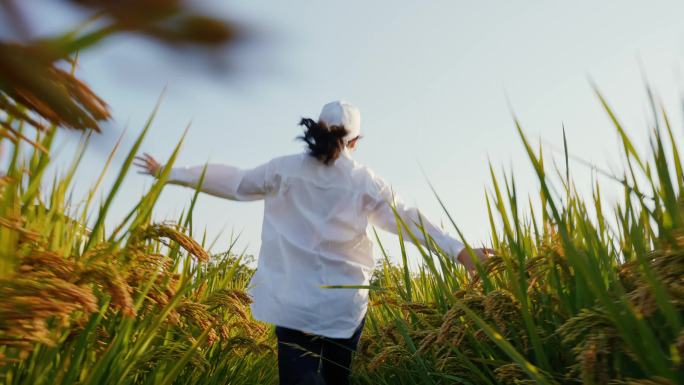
{"x": 579, "y": 292}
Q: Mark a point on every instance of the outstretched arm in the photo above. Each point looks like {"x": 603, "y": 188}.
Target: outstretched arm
{"x": 383, "y": 216}
{"x": 219, "y": 180}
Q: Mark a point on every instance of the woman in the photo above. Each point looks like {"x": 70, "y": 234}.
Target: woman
{"x": 317, "y": 209}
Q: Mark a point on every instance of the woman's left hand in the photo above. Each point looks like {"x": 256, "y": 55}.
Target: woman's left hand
{"x": 466, "y": 260}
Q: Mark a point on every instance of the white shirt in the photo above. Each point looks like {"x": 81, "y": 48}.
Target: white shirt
{"x": 314, "y": 234}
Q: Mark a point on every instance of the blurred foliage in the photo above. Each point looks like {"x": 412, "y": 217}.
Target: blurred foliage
{"x": 35, "y": 87}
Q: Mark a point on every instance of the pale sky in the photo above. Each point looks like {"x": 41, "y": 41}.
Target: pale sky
{"x": 433, "y": 80}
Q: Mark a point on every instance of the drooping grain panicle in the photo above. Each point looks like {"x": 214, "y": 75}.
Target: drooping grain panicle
{"x": 159, "y": 231}
{"x": 571, "y": 296}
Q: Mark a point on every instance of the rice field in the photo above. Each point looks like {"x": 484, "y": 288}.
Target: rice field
{"x": 580, "y": 291}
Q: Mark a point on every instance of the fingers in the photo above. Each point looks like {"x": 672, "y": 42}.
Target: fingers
{"x": 151, "y": 159}
{"x": 480, "y": 255}
{"x": 147, "y": 163}
{"x": 141, "y": 160}
{"x": 147, "y": 158}
{"x": 142, "y": 165}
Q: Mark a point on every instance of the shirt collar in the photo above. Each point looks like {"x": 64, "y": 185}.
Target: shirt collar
{"x": 346, "y": 153}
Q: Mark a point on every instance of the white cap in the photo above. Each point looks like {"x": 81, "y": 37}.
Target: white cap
{"x": 341, "y": 113}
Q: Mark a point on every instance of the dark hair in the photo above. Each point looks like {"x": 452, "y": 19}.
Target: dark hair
{"x": 325, "y": 143}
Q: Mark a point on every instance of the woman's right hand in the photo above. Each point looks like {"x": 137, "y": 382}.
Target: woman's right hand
{"x": 148, "y": 165}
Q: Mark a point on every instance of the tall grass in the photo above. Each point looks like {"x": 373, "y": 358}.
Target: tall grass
{"x": 577, "y": 292}
{"x": 567, "y": 299}
{"x": 142, "y": 303}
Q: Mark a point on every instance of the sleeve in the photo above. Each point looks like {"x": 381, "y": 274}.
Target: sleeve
{"x": 226, "y": 181}
{"x": 383, "y": 216}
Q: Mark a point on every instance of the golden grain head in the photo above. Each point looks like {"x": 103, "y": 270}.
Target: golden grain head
{"x": 109, "y": 278}
{"x": 512, "y": 374}
{"x": 503, "y": 308}
{"x": 159, "y": 231}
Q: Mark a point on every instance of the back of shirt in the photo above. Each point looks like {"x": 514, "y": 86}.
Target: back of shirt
{"x": 314, "y": 235}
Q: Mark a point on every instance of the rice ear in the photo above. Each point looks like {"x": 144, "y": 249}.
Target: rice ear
{"x": 158, "y": 231}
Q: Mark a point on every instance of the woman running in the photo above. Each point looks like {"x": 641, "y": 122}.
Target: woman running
{"x": 318, "y": 206}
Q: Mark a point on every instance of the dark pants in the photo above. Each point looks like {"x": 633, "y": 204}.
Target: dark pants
{"x": 308, "y": 359}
